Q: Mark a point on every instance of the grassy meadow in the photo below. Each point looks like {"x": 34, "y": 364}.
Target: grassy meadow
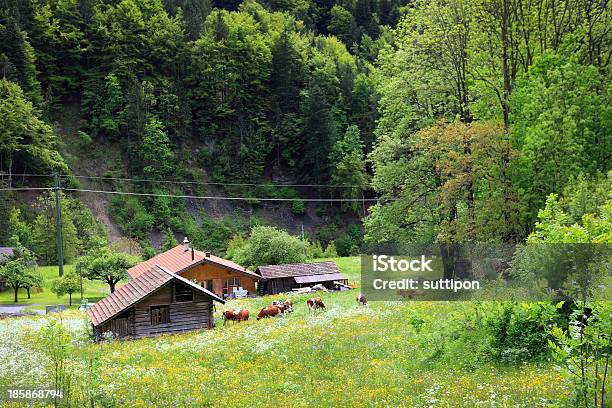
{"x": 416, "y": 354}
{"x": 93, "y": 291}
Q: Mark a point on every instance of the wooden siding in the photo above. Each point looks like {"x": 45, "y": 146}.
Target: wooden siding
{"x": 278, "y": 285}
{"x": 217, "y": 274}
{"x": 184, "y": 316}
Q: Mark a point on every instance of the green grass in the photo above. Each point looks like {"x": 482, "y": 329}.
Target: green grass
{"x": 93, "y": 291}
{"x": 347, "y": 355}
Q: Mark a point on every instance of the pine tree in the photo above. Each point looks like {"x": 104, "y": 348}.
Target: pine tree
{"x": 14, "y": 44}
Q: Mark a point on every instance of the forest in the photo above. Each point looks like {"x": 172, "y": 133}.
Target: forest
{"x": 460, "y": 118}
{"x": 286, "y": 131}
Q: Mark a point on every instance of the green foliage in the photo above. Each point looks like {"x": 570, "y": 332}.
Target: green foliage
{"x": 330, "y": 251}
{"x": 583, "y": 350}
{"x": 298, "y": 207}
{"x": 349, "y": 243}
{"x": 19, "y": 271}
{"x": 19, "y": 229}
{"x": 350, "y": 169}
{"x": 106, "y": 108}
{"x": 68, "y": 284}
{"x": 56, "y": 344}
{"x": 157, "y": 156}
{"x": 26, "y": 142}
{"x": 327, "y": 233}
{"x": 44, "y": 231}
{"x": 566, "y": 255}
{"x": 520, "y": 332}
{"x": 270, "y": 246}
{"x": 342, "y": 24}
{"x": 106, "y": 265}
{"x": 131, "y": 215}
{"x": 18, "y": 57}
{"x": 169, "y": 241}
{"x": 470, "y": 63}
{"x": 57, "y": 35}
{"x": 235, "y": 244}
{"x": 562, "y": 113}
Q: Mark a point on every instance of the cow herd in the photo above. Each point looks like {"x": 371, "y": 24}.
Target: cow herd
{"x": 280, "y": 308}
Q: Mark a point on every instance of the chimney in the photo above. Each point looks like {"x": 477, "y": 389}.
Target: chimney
{"x": 187, "y": 248}
{"x": 207, "y": 254}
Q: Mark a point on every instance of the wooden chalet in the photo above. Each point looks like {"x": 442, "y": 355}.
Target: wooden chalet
{"x": 283, "y": 278}
{"x": 156, "y": 302}
{"x": 216, "y": 274}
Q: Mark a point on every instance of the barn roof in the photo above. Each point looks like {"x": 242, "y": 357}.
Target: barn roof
{"x": 177, "y": 260}
{"x": 137, "y": 289}
{"x": 301, "y": 269}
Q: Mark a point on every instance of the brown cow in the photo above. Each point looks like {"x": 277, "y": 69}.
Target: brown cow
{"x": 362, "y": 300}
{"x": 235, "y": 315}
{"x": 268, "y": 311}
{"x": 315, "y": 303}
{"x": 286, "y": 306}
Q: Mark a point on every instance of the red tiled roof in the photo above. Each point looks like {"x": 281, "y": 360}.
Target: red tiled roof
{"x": 302, "y": 269}
{"x": 177, "y": 260}
{"x": 136, "y": 290}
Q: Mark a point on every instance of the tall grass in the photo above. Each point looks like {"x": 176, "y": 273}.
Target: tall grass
{"x": 347, "y": 355}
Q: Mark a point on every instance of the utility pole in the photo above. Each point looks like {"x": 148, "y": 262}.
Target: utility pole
{"x": 58, "y": 225}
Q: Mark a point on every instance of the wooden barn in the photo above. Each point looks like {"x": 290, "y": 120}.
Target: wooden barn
{"x": 217, "y": 275}
{"x": 156, "y": 302}
{"x": 283, "y": 278}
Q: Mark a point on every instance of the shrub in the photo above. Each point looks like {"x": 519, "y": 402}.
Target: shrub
{"x": 131, "y": 216}
{"x": 298, "y": 207}
{"x": 268, "y": 246}
{"x": 314, "y": 250}
{"x": 520, "y": 332}
{"x": 330, "y": 251}
{"x": 326, "y": 233}
{"x": 351, "y": 241}
{"x": 234, "y": 245}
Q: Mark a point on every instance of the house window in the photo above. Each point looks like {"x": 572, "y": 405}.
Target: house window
{"x": 229, "y": 284}
{"x": 160, "y": 315}
{"x": 183, "y": 294}
{"x": 207, "y": 284}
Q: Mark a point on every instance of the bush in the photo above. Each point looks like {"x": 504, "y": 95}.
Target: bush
{"x": 298, "y": 207}
{"x": 330, "y": 251}
{"x": 349, "y": 243}
{"x": 132, "y": 217}
{"x": 314, "y": 250}
{"x": 270, "y": 246}
{"x": 234, "y": 245}
{"x": 326, "y": 234}
{"x": 520, "y": 332}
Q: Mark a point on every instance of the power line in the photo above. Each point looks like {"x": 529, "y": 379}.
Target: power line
{"x": 211, "y": 183}
{"x": 26, "y": 188}
{"x": 335, "y": 200}
{"x": 2, "y": 174}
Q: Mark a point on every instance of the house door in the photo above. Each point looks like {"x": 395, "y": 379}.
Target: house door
{"x": 119, "y": 327}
